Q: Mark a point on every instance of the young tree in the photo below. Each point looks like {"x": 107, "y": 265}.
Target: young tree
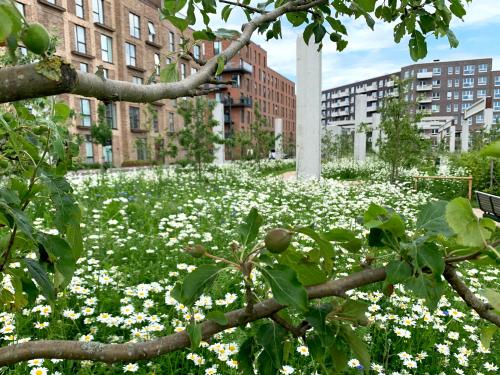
{"x": 101, "y": 132}
{"x": 401, "y": 143}
{"x": 197, "y": 138}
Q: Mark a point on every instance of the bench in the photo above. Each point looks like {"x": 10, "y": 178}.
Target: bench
{"x": 489, "y": 204}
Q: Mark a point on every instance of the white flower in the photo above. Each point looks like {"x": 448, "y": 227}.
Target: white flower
{"x": 131, "y": 367}
{"x": 303, "y": 350}
{"x": 38, "y": 371}
{"x": 287, "y": 370}
{"x": 353, "y": 363}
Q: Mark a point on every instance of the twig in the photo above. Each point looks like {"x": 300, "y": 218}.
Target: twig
{"x": 484, "y": 310}
{"x": 248, "y": 7}
{"x": 296, "y": 331}
{"x": 463, "y": 257}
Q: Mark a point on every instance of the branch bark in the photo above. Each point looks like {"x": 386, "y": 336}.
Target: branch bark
{"x": 24, "y": 82}
{"x": 111, "y": 353}
{"x": 484, "y": 310}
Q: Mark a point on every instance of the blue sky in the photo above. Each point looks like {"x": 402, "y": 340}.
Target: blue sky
{"x": 372, "y": 53}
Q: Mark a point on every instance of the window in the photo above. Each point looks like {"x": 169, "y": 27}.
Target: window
{"x": 482, "y": 81}
{"x": 183, "y": 71}
{"x": 436, "y": 95}
{"x": 480, "y": 119}
{"x": 450, "y": 83}
{"x": 435, "y": 108}
{"x": 497, "y": 80}
{"x": 468, "y": 82}
{"x": 450, "y": 70}
{"x": 469, "y": 69}
{"x": 448, "y": 108}
{"x": 436, "y": 82}
{"x": 157, "y": 63}
{"x": 130, "y": 54}
{"x": 142, "y": 146}
{"x": 482, "y": 68}
{"x": 111, "y": 115}
{"x": 465, "y": 106}
{"x": 171, "y": 41}
{"x": 106, "y": 48}
{"x": 467, "y": 95}
{"x": 171, "y": 127}
{"x": 196, "y": 51}
{"x": 449, "y": 95}
{"x": 496, "y": 94}
{"x": 407, "y": 74}
{"x": 436, "y": 71}
{"x": 89, "y": 150}
{"x": 85, "y": 114}
{"x": 98, "y": 10}
{"x": 456, "y": 95}
{"x": 455, "y": 107}
{"x": 217, "y": 47}
{"x": 134, "y": 24}
{"x": 137, "y": 80}
{"x": 20, "y": 8}
{"x": 151, "y": 32}
{"x": 81, "y": 44}
{"x": 457, "y": 82}
{"x": 79, "y": 8}
{"x": 457, "y": 70}
{"x": 496, "y": 106}
{"x": 235, "y": 79}
{"x": 481, "y": 93}
{"x": 154, "y": 121}
{"x": 84, "y": 67}
{"x": 133, "y": 117}
{"x": 105, "y": 73}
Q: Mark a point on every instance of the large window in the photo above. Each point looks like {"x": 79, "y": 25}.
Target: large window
{"x": 496, "y": 94}
{"x": 171, "y": 124}
{"x": 469, "y": 69}
{"x": 106, "y": 48}
{"x": 450, "y": 70}
{"x": 98, "y": 10}
{"x": 130, "y": 56}
{"x": 482, "y": 81}
{"x": 79, "y": 11}
{"x": 483, "y": 68}
{"x": 89, "y": 150}
{"x": 20, "y": 8}
{"x": 196, "y": 51}
{"x": 134, "y": 117}
{"x": 171, "y": 41}
{"x": 85, "y": 113}
{"x": 497, "y": 80}
{"x": 111, "y": 115}
{"x": 468, "y": 82}
{"x": 151, "y": 32}
{"x": 134, "y": 25}
{"x": 142, "y": 147}
{"x": 81, "y": 43}
{"x": 217, "y": 47}
{"x": 481, "y": 93}
{"x": 154, "y": 121}
{"x": 467, "y": 95}
{"x": 496, "y": 106}
{"x": 436, "y": 71}
{"x": 157, "y": 63}
{"x": 84, "y": 67}
{"x": 183, "y": 71}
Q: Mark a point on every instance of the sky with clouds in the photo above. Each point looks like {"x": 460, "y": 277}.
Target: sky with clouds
{"x": 372, "y": 53}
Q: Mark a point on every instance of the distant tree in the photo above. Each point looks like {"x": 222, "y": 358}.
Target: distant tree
{"x": 261, "y": 138}
{"x": 401, "y": 144}
{"x": 101, "y": 132}
{"x": 483, "y": 137}
{"x": 197, "y": 137}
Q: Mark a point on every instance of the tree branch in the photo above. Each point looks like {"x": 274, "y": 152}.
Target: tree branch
{"x": 24, "y": 82}
{"x": 484, "y": 310}
{"x": 240, "y": 5}
{"x": 111, "y": 353}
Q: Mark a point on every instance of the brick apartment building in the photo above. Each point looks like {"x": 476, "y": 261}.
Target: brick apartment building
{"x": 438, "y": 88}
{"x": 254, "y": 82}
{"x": 131, "y": 44}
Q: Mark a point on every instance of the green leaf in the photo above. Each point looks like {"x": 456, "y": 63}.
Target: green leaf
{"x": 366, "y": 5}
{"x": 226, "y": 12}
{"x": 308, "y": 31}
{"x": 308, "y": 271}
{"x": 5, "y": 25}
{"x": 432, "y": 218}
{"x": 418, "y": 46}
{"x": 346, "y": 238}
{"x": 249, "y": 229}
{"x": 195, "y": 282}
{"x": 218, "y": 317}
{"x": 397, "y": 271}
{"x": 296, "y": 18}
{"x": 220, "y": 65}
{"x": 487, "y": 334}
{"x": 42, "y": 279}
{"x": 61, "y": 255}
{"x": 204, "y": 35}
{"x": 452, "y": 39}
{"x": 61, "y": 112}
{"x": 336, "y": 25}
{"x": 428, "y": 288}
{"x": 353, "y": 309}
{"x": 194, "y": 333}
{"x": 246, "y": 356}
{"x": 181, "y": 23}
{"x": 325, "y": 247}
{"x": 169, "y": 73}
{"x": 470, "y": 230}
{"x": 492, "y": 150}
{"x": 271, "y": 336}
{"x": 357, "y": 346}
{"x": 429, "y": 255}
{"x": 316, "y": 316}
{"x": 457, "y": 8}
{"x": 286, "y": 287}
{"x": 493, "y": 298}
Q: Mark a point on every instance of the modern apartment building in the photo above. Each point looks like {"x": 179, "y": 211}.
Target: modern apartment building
{"x": 254, "y": 82}
{"x": 438, "y": 88}
{"x": 127, "y": 41}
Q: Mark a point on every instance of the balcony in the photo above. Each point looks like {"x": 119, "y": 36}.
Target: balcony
{"x": 241, "y": 102}
{"x": 389, "y": 83}
{"x": 424, "y": 75}
{"x": 425, "y": 99}
{"x": 372, "y": 98}
{"x": 372, "y": 108}
{"x": 360, "y": 90}
{"x": 340, "y": 94}
{"x": 343, "y": 103}
{"x": 340, "y": 113}
{"x": 242, "y": 67}
{"x": 372, "y": 87}
{"x": 424, "y": 87}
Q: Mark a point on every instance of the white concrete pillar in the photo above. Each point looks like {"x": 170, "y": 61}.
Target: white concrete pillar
{"x": 453, "y": 129}
{"x": 488, "y": 118}
{"x": 218, "y": 115}
{"x": 278, "y": 136}
{"x": 465, "y": 136}
{"x": 308, "y": 134}
{"x": 360, "y": 136}
{"x": 376, "y": 120}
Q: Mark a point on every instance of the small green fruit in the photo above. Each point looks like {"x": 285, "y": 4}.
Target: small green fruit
{"x": 36, "y": 38}
{"x": 196, "y": 251}
{"x": 277, "y": 240}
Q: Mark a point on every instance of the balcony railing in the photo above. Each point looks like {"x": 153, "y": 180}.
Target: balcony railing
{"x": 424, "y": 88}
{"x": 241, "y": 102}
{"x": 424, "y": 75}
{"x": 242, "y": 66}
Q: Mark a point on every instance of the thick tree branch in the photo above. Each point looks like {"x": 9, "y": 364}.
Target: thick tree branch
{"x": 484, "y": 310}
{"x": 24, "y": 82}
{"x": 111, "y": 353}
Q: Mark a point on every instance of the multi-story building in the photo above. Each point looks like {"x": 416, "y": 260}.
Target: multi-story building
{"x": 438, "y": 88}
{"x": 126, "y": 41}
{"x": 254, "y": 83}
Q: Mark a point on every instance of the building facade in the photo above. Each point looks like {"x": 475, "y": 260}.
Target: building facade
{"x": 125, "y": 40}
{"x": 254, "y": 83}
{"x": 438, "y": 88}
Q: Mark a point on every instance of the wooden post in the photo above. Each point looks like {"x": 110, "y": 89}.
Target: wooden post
{"x": 416, "y": 183}
{"x": 470, "y": 187}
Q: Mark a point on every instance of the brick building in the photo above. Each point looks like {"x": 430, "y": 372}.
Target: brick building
{"x": 254, "y": 82}
{"x": 438, "y": 88}
{"x": 130, "y": 43}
